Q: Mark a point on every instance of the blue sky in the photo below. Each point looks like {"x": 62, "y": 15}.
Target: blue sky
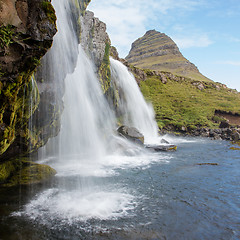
{"x": 206, "y": 31}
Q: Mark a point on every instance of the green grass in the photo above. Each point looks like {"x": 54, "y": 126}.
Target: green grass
{"x": 182, "y": 104}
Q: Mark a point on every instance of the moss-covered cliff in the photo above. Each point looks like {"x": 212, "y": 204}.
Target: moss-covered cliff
{"x": 32, "y": 99}
{"x": 26, "y": 32}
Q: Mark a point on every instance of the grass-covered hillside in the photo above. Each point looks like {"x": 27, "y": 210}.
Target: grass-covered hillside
{"x": 183, "y": 102}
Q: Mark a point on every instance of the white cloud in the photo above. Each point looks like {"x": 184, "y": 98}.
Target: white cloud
{"x": 233, "y": 63}
{"x": 128, "y": 20}
{"x": 193, "y": 41}
{"x": 236, "y": 40}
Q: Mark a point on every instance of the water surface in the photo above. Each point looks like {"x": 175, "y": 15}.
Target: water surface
{"x": 151, "y": 196}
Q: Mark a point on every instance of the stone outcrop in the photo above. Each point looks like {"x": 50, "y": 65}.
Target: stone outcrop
{"x": 157, "y": 51}
{"x": 96, "y": 43}
{"x": 132, "y": 134}
{"x": 27, "y": 28}
{"x": 26, "y": 34}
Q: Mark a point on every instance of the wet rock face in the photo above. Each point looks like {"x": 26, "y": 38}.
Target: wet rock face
{"x": 131, "y": 133}
{"x": 27, "y": 28}
{"x": 93, "y": 37}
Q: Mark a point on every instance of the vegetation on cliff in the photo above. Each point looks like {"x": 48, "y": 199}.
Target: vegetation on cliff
{"x": 185, "y": 104}
{"x": 25, "y": 36}
{"x": 183, "y": 99}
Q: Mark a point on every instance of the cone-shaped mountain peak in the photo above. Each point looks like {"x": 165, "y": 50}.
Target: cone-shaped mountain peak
{"x": 157, "y": 51}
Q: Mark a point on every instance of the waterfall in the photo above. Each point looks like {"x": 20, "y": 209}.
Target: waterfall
{"x": 136, "y": 112}
{"x": 82, "y": 152}
{"x": 87, "y": 120}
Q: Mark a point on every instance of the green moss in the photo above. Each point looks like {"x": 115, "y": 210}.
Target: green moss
{"x": 104, "y": 70}
{"x": 6, "y": 34}
{"x": 14, "y": 110}
{"x": 49, "y": 10}
{"x": 7, "y": 169}
{"x": 22, "y": 171}
{"x": 31, "y": 174}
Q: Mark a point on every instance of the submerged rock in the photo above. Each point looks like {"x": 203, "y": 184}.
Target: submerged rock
{"x": 160, "y": 148}
{"x": 131, "y": 133}
{"x": 212, "y": 164}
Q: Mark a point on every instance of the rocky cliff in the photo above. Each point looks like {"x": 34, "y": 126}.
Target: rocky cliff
{"x": 27, "y": 28}
{"x": 30, "y": 95}
{"x": 96, "y": 43}
{"x": 157, "y": 51}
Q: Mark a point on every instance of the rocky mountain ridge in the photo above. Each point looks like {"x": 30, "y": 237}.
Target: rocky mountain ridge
{"x": 157, "y": 51}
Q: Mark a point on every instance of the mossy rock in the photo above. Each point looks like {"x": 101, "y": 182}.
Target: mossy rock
{"x": 24, "y": 172}
{"x": 104, "y": 70}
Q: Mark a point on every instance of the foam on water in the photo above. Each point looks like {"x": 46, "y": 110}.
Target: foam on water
{"x": 74, "y": 206}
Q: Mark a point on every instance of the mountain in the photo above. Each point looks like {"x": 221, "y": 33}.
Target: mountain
{"x": 183, "y": 99}
{"x": 157, "y": 51}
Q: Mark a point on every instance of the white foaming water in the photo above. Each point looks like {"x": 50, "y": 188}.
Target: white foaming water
{"x": 74, "y": 206}
{"x": 137, "y": 113}
{"x": 87, "y": 120}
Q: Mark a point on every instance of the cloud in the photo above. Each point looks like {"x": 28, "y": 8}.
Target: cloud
{"x": 233, "y": 63}
{"x": 128, "y": 20}
{"x": 236, "y": 40}
{"x": 193, "y": 41}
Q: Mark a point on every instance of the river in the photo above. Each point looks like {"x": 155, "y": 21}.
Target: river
{"x": 145, "y": 196}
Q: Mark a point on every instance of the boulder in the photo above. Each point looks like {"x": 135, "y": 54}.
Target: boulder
{"x": 131, "y": 133}
{"x": 164, "y": 141}
{"x": 235, "y": 136}
{"x": 24, "y": 172}
{"x": 224, "y": 124}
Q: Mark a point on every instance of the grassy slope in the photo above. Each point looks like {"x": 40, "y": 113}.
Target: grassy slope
{"x": 182, "y": 104}
{"x": 153, "y": 62}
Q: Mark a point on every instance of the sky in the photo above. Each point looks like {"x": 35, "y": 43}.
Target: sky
{"x": 207, "y": 32}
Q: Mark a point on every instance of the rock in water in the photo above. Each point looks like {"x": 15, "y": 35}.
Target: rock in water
{"x": 131, "y": 133}
{"x": 160, "y": 148}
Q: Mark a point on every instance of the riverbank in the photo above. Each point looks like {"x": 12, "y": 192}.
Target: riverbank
{"x": 229, "y": 134}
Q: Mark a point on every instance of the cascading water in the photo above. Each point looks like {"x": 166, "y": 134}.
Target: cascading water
{"x": 100, "y": 195}
{"x": 82, "y": 152}
{"x": 79, "y": 152}
{"x": 137, "y": 113}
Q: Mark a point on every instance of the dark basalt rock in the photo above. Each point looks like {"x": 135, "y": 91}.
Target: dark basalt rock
{"x": 27, "y": 28}
{"x": 160, "y": 148}
{"x": 131, "y": 133}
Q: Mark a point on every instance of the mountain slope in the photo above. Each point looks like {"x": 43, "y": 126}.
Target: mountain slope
{"x": 157, "y": 51}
